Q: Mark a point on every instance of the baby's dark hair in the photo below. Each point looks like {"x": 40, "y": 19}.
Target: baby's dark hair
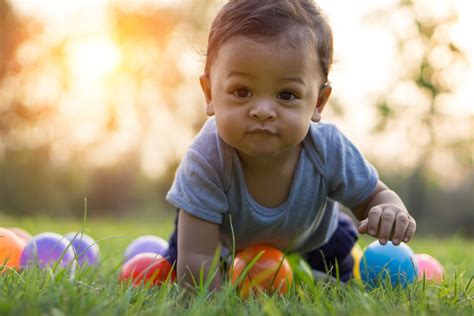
{"x": 294, "y": 21}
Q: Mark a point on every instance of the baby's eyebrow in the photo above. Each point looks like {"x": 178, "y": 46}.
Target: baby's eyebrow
{"x": 294, "y": 79}
{"x": 246, "y": 74}
{"x": 239, "y": 73}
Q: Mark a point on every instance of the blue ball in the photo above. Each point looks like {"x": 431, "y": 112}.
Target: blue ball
{"x": 388, "y": 263}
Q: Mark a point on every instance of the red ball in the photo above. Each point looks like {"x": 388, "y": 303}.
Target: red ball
{"x": 147, "y": 268}
{"x": 429, "y": 268}
{"x": 270, "y": 273}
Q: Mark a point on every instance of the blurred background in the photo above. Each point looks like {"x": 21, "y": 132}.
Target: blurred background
{"x": 100, "y": 100}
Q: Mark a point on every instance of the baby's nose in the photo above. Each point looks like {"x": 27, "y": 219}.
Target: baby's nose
{"x": 263, "y": 110}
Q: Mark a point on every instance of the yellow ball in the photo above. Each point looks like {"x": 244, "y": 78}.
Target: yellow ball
{"x": 356, "y": 254}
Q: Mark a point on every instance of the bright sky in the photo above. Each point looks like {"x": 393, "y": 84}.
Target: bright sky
{"x": 365, "y": 51}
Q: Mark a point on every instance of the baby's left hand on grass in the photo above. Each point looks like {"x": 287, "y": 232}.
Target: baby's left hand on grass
{"x": 388, "y": 222}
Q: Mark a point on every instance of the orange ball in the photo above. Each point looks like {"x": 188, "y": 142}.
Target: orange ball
{"x": 11, "y": 247}
{"x": 270, "y": 273}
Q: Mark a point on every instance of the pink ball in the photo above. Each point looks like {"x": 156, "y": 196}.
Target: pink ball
{"x": 430, "y": 268}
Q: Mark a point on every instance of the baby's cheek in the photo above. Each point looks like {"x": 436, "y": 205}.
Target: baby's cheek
{"x": 298, "y": 130}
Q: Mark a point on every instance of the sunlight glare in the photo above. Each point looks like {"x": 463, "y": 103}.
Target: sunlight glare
{"x": 92, "y": 59}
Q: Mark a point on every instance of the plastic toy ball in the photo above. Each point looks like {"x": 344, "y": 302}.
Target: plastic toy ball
{"x": 23, "y": 234}
{"x": 86, "y": 249}
{"x": 356, "y": 254}
{"x": 147, "y": 269}
{"x": 302, "y": 271}
{"x": 47, "y": 249}
{"x": 388, "y": 264}
{"x": 11, "y": 247}
{"x": 148, "y": 243}
{"x": 270, "y": 273}
{"x": 429, "y": 268}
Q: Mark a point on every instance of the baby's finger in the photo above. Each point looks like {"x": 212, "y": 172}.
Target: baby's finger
{"x": 363, "y": 226}
{"x": 410, "y": 230}
{"x": 386, "y": 225}
{"x": 374, "y": 220}
{"x": 401, "y": 225}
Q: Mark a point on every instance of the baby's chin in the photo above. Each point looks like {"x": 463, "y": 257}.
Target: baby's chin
{"x": 262, "y": 152}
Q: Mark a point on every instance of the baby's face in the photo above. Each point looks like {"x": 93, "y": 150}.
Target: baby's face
{"x": 263, "y": 95}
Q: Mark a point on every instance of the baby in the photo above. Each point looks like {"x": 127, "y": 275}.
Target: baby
{"x": 264, "y": 168}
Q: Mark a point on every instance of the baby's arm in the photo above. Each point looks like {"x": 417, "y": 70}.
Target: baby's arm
{"x": 197, "y": 243}
{"x": 385, "y": 216}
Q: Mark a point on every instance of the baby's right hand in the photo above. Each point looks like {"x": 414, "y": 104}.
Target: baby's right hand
{"x": 388, "y": 222}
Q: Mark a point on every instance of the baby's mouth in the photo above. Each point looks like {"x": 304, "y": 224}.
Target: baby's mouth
{"x": 260, "y": 130}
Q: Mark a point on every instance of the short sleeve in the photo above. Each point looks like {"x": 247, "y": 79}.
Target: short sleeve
{"x": 198, "y": 188}
{"x": 350, "y": 178}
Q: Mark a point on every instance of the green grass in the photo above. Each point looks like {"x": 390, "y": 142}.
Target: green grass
{"x": 97, "y": 292}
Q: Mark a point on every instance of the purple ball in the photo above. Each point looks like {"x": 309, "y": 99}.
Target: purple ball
{"x": 148, "y": 243}
{"x": 85, "y": 248}
{"x": 46, "y": 249}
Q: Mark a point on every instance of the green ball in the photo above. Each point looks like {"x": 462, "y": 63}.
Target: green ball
{"x": 302, "y": 272}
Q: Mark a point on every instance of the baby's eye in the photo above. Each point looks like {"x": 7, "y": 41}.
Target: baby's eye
{"x": 287, "y": 96}
{"x": 243, "y": 93}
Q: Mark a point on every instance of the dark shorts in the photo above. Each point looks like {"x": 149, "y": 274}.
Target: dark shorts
{"x": 337, "y": 249}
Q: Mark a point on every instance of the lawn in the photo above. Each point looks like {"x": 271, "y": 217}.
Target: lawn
{"x": 97, "y": 292}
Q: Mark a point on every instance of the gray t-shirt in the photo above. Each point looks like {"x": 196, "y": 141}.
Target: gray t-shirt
{"x": 210, "y": 184}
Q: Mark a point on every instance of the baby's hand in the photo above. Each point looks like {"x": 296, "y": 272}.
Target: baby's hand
{"x": 388, "y": 222}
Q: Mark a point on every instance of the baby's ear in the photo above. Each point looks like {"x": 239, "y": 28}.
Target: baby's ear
{"x": 324, "y": 94}
{"x": 206, "y": 89}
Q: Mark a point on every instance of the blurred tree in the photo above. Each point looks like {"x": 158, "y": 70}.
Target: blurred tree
{"x": 34, "y": 158}
{"x": 430, "y": 59}
{"x": 14, "y": 31}
{"x": 12, "y": 34}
